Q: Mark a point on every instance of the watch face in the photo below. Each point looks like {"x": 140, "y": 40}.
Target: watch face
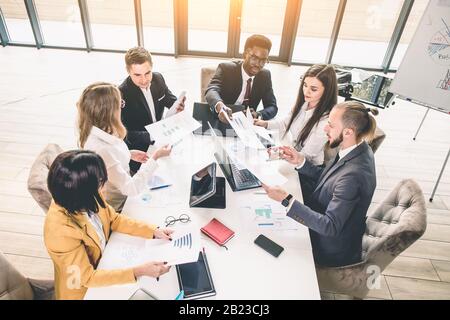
{"x": 285, "y": 202}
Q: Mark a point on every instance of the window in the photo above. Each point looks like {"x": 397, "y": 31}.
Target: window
{"x": 157, "y": 18}
{"x": 411, "y": 25}
{"x": 366, "y": 30}
{"x": 60, "y": 22}
{"x": 17, "y": 22}
{"x": 112, "y": 24}
{"x": 263, "y": 17}
{"x": 208, "y": 25}
{"x": 314, "y": 30}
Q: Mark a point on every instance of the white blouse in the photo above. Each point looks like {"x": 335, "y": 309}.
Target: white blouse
{"x": 116, "y": 156}
{"x": 97, "y": 224}
{"x": 313, "y": 146}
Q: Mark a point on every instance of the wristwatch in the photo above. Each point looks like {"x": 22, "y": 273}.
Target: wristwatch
{"x": 286, "y": 200}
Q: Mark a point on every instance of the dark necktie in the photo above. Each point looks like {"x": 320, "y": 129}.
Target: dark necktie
{"x": 325, "y": 172}
{"x": 248, "y": 89}
{"x": 335, "y": 161}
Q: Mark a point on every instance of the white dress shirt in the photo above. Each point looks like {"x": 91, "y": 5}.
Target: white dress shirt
{"x": 149, "y": 98}
{"x": 97, "y": 224}
{"x": 116, "y": 156}
{"x": 245, "y": 78}
{"x": 346, "y": 151}
{"x": 313, "y": 146}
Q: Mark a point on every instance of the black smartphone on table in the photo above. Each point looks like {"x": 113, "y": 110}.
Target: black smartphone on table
{"x": 269, "y": 245}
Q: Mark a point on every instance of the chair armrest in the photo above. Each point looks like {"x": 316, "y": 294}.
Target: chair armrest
{"x": 43, "y": 289}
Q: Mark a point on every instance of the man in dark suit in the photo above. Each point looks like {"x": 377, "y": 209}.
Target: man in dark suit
{"x": 336, "y": 215}
{"x": 244, "y": 82}
{"x": 146, "y": 95}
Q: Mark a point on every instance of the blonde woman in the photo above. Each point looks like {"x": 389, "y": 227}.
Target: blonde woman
{"x": 101, "y": 130}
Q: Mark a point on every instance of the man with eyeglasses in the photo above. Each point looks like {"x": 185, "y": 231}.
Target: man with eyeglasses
{"x": 145, "y": 95}
{"x": 244, "y": 82}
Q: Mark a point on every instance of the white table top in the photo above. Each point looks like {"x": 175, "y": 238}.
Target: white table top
{"x": 244, "y": 271}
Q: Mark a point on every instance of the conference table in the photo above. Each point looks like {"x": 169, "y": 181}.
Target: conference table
{"x": 243, "y": 270}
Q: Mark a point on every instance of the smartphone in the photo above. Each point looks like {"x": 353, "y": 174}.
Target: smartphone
{"x": 268, "y": 245}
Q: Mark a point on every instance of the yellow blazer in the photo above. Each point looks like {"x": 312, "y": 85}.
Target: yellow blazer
{"x": 74, "y": 247}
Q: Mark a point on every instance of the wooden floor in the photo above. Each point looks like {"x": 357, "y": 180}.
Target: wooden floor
{"x": 38, "y": 92}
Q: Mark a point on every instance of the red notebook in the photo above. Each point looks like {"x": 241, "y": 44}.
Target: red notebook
{"x": 217, "y": 231}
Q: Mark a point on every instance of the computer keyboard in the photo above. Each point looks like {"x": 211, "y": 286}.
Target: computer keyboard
{"x": 243, "y": 178}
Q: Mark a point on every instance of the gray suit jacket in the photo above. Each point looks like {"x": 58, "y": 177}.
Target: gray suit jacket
{"x": 337, "y": 213}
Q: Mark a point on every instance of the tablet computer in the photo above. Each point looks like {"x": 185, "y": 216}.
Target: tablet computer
{"x": 195, "y": 278}
{"x": 203, "y": 184}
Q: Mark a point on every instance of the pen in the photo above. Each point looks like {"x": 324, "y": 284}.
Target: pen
{"x": 180, "y": 295}
{"x": 160, "y": 187}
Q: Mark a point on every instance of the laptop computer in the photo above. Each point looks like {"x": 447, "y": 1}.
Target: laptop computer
{"x": 207, "y": 190}
{"x": 202, "y": 113}
{"x": 238, "y": 179}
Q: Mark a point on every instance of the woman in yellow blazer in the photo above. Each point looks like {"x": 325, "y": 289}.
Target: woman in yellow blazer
{"x": 79, "y": 223}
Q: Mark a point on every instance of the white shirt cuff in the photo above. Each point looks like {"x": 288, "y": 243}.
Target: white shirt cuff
{"x": 216, "y": 106}
{"x": 301, "y": 164}
{"x": 290, "y": 204}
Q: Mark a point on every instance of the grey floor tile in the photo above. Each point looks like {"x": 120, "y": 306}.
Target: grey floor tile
{"x": 437, "y": 216}
{"x": 429, "y": 250}
{"x": 443, "y": 269}
{"x": 411, "y": 268}
{"x": 414, "y": 289}
{"x": 437, "y": 232}
{"x": 32, "y": 267}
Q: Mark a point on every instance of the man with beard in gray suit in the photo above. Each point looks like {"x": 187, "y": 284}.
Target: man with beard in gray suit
{"x": 336, "y": 216}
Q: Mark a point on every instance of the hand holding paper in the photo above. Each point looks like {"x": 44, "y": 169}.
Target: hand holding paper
{"x": 178, "y": 105}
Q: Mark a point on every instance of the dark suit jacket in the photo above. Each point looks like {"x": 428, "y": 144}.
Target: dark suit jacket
{"x": 226, "y": 85}
{"x": 336, "y": 217}
{"x": 136, "y": 113}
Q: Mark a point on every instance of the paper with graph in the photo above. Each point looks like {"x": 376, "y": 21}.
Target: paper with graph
{"x": 268, "y": 215}
{"x": 125, "y": 251}
{"x": 244, "y": 129}
{"x": 183, "y": 248}
{"x": 173, "y": 129}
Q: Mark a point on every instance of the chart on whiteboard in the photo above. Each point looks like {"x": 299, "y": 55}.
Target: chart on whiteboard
{"x": 439, "y": 51}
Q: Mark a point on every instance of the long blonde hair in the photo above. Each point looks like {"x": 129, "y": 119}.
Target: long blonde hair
{"x": 99, "y": 105}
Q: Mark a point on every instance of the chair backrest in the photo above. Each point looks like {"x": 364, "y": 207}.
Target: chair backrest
{"x": 13, "y": 285}
{"x": 205, "y": 77}
{"x": 378, "y": 138}
{"x": 37, "y": 180}
{"x": 396, "y": 224}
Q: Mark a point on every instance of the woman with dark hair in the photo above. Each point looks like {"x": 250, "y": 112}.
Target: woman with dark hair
{"x": 303, "y": 127}
{"x": 79, "y": 223}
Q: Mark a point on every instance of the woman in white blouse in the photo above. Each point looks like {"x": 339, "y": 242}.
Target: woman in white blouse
{"x": 101, "y": 130}
{"x": 304, "y": 126}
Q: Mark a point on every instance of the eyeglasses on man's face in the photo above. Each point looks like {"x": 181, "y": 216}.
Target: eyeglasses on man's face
{"x": 183, "y": 218}
{"x": 257, "y": 60}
